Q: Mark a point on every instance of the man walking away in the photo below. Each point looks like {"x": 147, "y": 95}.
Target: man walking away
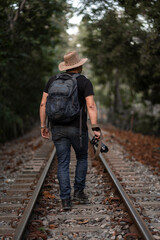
{"x": 67, "y": 134}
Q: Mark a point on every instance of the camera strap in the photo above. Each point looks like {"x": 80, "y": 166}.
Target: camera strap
{"x": 99, "y": 145}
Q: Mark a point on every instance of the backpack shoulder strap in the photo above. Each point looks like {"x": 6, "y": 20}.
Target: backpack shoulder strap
{"x": 64, "y": 75}
{"x": 58, "y": 75}
{"x": 75, "y": 76}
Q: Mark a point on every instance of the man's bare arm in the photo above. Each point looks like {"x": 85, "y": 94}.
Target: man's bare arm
{"x": 44, "y": 130}
{"x": 92, "y": 111}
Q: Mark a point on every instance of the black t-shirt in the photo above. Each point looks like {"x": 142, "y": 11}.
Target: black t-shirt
{"x": 85, "y": 89}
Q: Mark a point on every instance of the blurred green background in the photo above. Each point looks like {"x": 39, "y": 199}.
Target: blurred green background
{"x": 121, "y": 40}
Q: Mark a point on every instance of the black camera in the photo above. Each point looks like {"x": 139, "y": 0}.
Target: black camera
{"x": 95, "y": 141}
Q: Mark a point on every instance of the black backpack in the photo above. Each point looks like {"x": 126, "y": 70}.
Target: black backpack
{"x": 62, "y": 104}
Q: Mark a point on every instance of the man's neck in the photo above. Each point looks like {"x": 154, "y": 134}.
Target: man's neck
{"x": 74, "y": 71}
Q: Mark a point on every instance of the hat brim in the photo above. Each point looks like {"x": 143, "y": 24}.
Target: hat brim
{"x": 63, "y": 67}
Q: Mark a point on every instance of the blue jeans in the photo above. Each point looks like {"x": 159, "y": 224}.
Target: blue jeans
{"x": 63, "y": 137}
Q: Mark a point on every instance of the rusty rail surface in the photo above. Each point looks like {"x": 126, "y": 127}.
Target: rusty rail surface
{"x": 28, "y": 210}
{"x": 133, "y": 212}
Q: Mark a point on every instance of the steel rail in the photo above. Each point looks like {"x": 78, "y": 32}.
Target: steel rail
{"x": 135, "y": 215}
{"x": 28, "y": 210}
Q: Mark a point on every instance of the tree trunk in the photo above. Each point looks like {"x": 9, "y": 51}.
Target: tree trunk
{"x": 12, "y": 22}
{"x": 117, "y": 96}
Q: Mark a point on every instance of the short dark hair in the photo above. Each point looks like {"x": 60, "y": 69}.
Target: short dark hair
{"x": 72, "y": 69}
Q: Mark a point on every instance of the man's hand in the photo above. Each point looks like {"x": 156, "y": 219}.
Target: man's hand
{"x": 45, "y": 133}
{"x": 97, "y": 134}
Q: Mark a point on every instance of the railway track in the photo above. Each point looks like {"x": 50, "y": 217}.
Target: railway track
{"x": 17, "y": 202}
{"x": 139, "y": 183}
{"x": 100, "y": 219}
{"x": 106, "y": 217}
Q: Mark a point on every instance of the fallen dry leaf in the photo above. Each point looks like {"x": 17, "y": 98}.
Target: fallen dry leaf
{"x": 144, "y": 148}
{"x": 83, "y": 222}
{"x": 48, "y": 195}
{"x": 52, "y": 226}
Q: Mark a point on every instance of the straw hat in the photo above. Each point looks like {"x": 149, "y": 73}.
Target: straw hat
{"x": 71, "y": 60}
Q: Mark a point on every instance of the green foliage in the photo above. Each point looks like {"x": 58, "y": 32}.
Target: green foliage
{"x": 147, "y": 74}
{"x": 121, "y": 38}
{"x": 29, "y": 37}
{"x": 146, "y": 123}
